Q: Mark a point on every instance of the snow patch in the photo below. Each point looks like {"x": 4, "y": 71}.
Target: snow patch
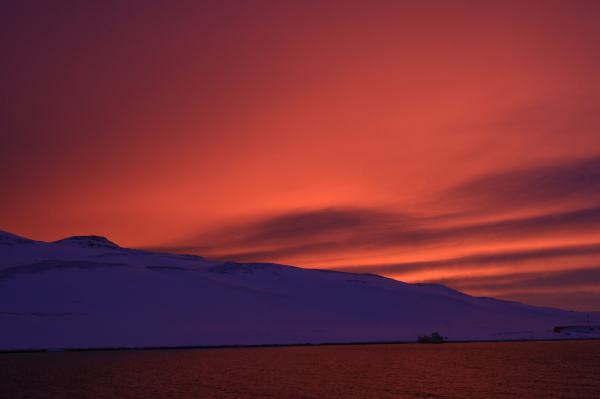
{"x": 88, "y": 242}
{"x": 87, "y": 292}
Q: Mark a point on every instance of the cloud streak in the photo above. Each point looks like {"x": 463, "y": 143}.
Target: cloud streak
{"x": 325, "y": 231}
{"x": 575, "y": 180}
{"x": 546, "y": 213}
{"x": 483, "y": 260}
{"x": 574, "y": 278}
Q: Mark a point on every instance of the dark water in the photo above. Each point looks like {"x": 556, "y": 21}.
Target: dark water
{"x": 476, "y": 370}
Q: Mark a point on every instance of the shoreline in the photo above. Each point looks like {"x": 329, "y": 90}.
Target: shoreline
{"x": 258, "y": 346}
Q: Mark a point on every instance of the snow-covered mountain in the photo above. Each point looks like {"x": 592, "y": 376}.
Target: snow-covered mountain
{"x": 87, "y": 292}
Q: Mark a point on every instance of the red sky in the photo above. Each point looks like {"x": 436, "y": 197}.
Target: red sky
{"x": 437, "y": 141}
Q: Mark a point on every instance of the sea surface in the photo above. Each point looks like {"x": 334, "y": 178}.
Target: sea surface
{"x": 471, "y": 370}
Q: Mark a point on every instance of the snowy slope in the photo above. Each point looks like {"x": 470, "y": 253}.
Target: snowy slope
{"x": 87, "y": 292}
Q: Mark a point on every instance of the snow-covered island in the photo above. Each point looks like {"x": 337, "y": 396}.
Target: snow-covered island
{"x": 87, "y": 292}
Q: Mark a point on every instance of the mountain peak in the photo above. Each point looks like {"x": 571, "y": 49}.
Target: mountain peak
{"x": 7, "y": 235}
{"x": 88, "y": 242}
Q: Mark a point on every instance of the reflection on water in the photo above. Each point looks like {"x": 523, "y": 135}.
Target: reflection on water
{"x": 475, "y": 370}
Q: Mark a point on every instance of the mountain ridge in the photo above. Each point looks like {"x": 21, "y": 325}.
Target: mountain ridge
{"x": 66, "y": 294}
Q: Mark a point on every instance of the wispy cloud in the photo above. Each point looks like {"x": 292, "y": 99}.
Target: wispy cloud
{"x": 572, "y": 188}
{"x": 510, "y": 282}
{"x": 481, "y": 260}
{"x": 324, "y": 231}
{"x": 575, "y": 181}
